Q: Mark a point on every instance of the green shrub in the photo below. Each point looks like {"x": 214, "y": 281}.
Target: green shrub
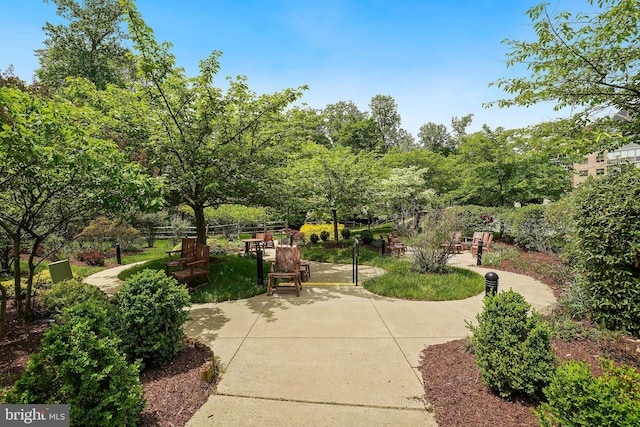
{"x": 218, "y": 246}
{"x": 102, "y": 231}
{"x": 314, "y": 238}
{"x": 345, "y": 233}
{"x": 150, "y": 314}
{"x": 366, "y": 236}
{"x": 472, "y": 218}
{"x": 71, "y": 292}
{"x": 498, "y": 254}
{"x": 530, "y": 229}
{"x": 513, "y": 349}
{"x": 79, "y": 364}
{"x": 324, "y": 235}
{"x": 429, "y": 255}
{"x": 607, "y": 249}
{"x": 576, "y": 398}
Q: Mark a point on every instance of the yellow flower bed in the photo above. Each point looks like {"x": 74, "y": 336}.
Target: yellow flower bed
{"x": 309, "y": 229}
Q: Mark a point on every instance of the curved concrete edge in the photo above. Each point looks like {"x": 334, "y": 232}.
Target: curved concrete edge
{"x": 539, "y": 295}
{"x": 107, "y": 280}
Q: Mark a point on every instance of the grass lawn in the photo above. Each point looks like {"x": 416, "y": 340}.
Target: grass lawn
{"x": 400, "y": 281}
{"x": 233, "y": 277}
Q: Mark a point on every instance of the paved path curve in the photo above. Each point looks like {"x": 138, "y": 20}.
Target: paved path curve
{"x": 335, "y": 356}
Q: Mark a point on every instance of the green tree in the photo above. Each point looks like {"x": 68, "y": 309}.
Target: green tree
{"x": 437, "y": 170}
{"x": 333, "y": 180}
{"x": 404, "y": 193}
{"x": 384, "y": 112}
{"x": 580, "y": 59}
{"x": 435, "y": 137}
{"x": 214, "y": 147}
{"x": 89, "y": 47}
{"x": 55, "y": 172}
{"x": 500, "y": 168}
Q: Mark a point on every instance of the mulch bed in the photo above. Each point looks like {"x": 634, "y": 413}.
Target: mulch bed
{"x": 453, "y": 383}
{"x": 174, "y": 391}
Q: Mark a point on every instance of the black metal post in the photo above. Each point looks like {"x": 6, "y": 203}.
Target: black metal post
{"x": 260, "y": 268}
{"x": 118, "y": 254}
{"x": 291, "y": 239}
{"x": 479, "y": 255}
{"x": 490, "y": 283}
{"x": 382, "y": 248}
{"x": 355, "y": 255}
{"x": 246, "y": 248}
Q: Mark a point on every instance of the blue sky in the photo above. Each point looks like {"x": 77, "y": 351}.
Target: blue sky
{"x": 435, "y": 58}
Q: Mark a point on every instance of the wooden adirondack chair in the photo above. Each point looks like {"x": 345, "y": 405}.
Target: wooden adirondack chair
{"x": 196, "y": 268}
{"x": 187, "y": 253}
{"x": 487, "y": 238}
{"x": 454, "y": 243}
{"x": 286, "y": 266}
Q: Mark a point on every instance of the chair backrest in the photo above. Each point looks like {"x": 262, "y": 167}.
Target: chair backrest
{"x": 268, "y": 237}
{"x": 395, "y": 234}
{"x": 288, "y": 258}
{"x": 477, "y": 235}
{"x": 202, "y": 254}
{"x": 188, "y": 248}
{"x": 259, "y": 236}
{"x": 486, "y": 240}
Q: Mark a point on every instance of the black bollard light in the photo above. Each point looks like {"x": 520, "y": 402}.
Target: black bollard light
{"x": 382, "y": 248}
{"x": 479, "y": 255}
{"x": 490, "y": 283}
{"x": 260, "y": 268}
{"x": 118, "y": 254}
{"x": 291, "y": 239}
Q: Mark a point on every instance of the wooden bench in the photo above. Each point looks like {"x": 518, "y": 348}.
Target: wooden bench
{"x": 196, "y": 268}
{"x": 187, "y": 253}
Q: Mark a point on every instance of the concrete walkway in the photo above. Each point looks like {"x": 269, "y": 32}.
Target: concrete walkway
{"x": 335, "y": 356}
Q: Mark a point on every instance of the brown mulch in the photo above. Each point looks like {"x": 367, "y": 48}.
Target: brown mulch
{"x": 453, "y": 383}
{"x": 174, "y": 391}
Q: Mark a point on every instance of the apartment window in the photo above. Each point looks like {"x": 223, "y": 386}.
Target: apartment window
{"x": 600, "y": 158}
{"x": 599, "y": 171}
{"x": 583, "y": 172}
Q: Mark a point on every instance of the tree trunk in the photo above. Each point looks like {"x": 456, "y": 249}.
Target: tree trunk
{"x": 201, "y": 225}
{"x": 334, "y": 214}
{"x": 3, "y": 311}
{"x": 28, "y": 309}
{"x": 16, "y": 276}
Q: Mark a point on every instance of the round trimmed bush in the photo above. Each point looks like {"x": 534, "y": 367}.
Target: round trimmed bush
{"x": 324, "y": 235}
{"x": 366, "y": 236}
{"x": 346, "y": 233}
{"x": 79, "y": 364}
{"x": 150, "y": 315}
{"x": 314, "y": 238}
{"x": 513, "y": 348}
{"x": 71, "y": 292}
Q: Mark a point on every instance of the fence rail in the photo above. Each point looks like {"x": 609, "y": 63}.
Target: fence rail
{"x": 168, "y": 232}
